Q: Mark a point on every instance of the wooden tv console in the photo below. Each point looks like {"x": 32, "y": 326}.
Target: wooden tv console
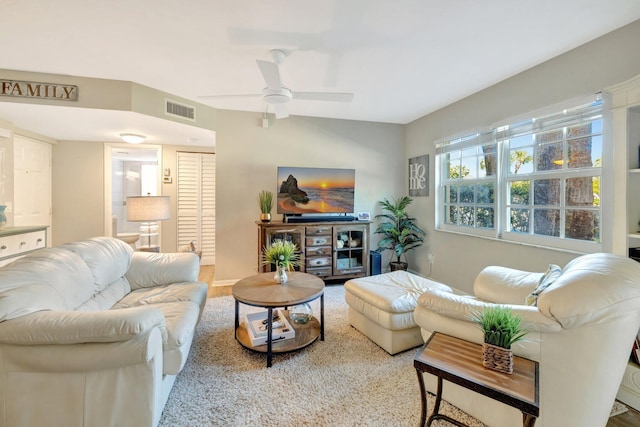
{"x": 329, "y": 250}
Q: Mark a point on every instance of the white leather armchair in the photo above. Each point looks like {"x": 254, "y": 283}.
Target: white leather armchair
{"x": 581, "y": 332}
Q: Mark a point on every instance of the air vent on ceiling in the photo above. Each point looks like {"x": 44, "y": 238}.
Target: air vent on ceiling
{"x": 176, "y": 109}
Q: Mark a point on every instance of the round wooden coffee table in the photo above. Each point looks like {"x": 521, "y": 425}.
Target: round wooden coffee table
{"x": 261, "y": 290}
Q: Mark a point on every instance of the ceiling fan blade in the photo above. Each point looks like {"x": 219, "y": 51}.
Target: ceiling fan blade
{"x": 324, "y": 96}
{"x": 280, "y": 110}
{"x": 242, "y": 95}
{"x": 270, "y": 73}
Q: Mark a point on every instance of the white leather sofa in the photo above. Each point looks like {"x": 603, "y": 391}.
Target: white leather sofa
{"x": 93, "y": 334}
{"x": 581, "y": 332}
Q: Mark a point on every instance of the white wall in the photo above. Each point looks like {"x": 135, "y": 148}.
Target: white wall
{"x": 247, "y": 156}
{"x": 588, "y": 69}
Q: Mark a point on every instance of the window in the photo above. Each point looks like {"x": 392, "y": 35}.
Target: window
{"x": 470, "y": 183}
{"x": 534, "y": 181}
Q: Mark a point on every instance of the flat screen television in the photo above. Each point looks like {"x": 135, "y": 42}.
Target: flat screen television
{"x": 315, "y": 190}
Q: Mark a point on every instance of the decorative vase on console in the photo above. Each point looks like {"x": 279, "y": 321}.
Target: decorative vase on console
{"x": 3, "y": 217}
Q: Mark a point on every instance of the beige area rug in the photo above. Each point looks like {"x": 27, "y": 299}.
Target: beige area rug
{"x": 345, "y": 380}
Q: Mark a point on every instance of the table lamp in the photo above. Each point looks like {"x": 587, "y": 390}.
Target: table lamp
{"x": 147, "y": 210}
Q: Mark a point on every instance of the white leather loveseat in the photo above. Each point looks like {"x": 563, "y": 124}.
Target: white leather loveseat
{"x": 581, "y": 332}
{"x": 93, "y": 334}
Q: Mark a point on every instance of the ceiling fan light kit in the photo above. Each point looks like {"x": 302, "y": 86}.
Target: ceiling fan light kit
{"x": 277, "y": 96}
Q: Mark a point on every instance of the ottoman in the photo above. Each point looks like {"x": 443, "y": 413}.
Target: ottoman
{"x": 381, "y": 307}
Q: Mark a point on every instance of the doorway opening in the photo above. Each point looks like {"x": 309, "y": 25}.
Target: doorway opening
{"x": 130, "y": 171}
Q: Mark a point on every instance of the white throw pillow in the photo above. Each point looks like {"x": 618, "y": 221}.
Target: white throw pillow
{"x": 550, "y": 276}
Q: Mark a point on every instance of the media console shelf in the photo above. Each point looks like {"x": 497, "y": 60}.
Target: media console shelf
{"x": 328, "y": 249}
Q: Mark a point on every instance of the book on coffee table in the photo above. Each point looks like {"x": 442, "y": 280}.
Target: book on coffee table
{"x": 257, "y": 327}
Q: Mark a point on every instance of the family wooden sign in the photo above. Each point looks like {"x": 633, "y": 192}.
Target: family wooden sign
{"x": 22, "y": 89}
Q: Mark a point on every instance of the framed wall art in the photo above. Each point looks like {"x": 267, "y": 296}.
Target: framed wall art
{"x": 419, "y": 176}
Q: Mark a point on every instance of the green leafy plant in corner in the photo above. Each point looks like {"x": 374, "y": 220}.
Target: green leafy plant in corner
{"x": 282, "y": 254}
{"x": 265, "y": 199}
{"x": 500, "y": 326}
{"x": 401, "y": 233}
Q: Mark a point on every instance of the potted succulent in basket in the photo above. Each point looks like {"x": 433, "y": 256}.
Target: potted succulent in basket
{"x": 401, "y": 233}
{"x": 284, "y": 255}
{"x": 501, "y": 329}
{"x": 265, "y": 200}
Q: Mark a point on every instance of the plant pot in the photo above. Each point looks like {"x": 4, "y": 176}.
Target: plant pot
{"x": 265, "y": 217}
{"x": 497, "y": 358}
{"x": 395, "y": 266}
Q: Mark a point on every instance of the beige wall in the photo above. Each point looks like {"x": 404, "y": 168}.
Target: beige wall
{"x": 78, "y": 191}
{"x": 247, "y": 156}
{"x": 588, "y": 69}
{"x": 113, "y": 95}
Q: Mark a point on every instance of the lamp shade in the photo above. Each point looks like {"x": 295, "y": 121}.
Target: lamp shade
{"x": 148, "y": 208}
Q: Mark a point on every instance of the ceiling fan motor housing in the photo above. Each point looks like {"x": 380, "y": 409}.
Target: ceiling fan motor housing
{"x": 277, "y": 96}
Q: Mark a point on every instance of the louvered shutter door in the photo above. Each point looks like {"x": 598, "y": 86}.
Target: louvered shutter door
{"x": 196, "y": 203}
{"x": 208, "y": 208}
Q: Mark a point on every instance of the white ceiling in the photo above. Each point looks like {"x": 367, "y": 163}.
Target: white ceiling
{"x": 402, "y": 59}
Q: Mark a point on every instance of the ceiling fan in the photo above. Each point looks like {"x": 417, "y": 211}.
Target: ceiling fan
{"x": 276, "y": 94}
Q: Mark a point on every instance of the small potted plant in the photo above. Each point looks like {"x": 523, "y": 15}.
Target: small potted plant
{"x": 265, "y": 200}
{"x": 401, "y": 233}
{"x": 284, "y": 255}
{"x": 501, "y": 328}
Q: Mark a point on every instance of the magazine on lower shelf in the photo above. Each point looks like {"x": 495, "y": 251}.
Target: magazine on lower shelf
{"x": 257, "y": 327}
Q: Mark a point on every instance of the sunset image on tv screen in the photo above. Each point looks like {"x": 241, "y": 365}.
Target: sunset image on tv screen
{"x": 315, "y": 190}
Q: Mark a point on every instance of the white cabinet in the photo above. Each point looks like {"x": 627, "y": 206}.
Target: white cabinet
{"x": 19, "y": 241}
{"x": 625, "y": 118}
{"x": 629, "y": 391}
{"x": 633, "y": 179}
{"x": 625, "y": 128}
{"x": 32, "y": 182}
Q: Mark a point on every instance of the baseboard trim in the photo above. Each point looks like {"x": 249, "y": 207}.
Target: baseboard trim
{"x": 224, "y": 282}
{"x": 629, "y": 391}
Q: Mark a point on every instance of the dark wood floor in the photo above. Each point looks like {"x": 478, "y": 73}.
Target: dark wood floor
{"x": 631, "y": 418}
